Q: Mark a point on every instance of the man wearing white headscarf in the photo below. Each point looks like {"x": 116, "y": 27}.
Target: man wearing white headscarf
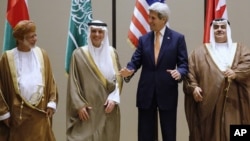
{"x": 94, "y": 89}
{"x": 217, "y": 89}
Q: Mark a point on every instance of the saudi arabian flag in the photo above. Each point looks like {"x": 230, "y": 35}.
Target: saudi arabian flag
{"x": 80, "y": 16}
{"x": 17, "y": 10}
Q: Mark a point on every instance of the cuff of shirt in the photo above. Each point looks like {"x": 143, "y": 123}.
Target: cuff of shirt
{"x": 5, "y": 116}
{"x": 115, "y": 96}
{"x": 52, "y": 105}
{"x": 116, "y": 100}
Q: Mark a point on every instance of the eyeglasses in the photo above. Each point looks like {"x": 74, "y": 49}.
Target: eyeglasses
{"x": 219, "y": 26}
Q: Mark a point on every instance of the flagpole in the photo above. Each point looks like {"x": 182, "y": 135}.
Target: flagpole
{"x": 114, "y": 23}
{"x": 205, "y": 8}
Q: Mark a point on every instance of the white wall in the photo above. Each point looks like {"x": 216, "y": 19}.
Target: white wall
{"x": 52, "y": 16}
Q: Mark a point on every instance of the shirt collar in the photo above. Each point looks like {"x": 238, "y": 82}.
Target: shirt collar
{"x": 162, "y": 31}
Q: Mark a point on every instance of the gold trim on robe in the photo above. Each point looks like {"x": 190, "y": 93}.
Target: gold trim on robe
{"x": 12, "y": 65}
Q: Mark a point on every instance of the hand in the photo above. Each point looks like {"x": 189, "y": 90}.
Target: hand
{"x": 50, "y": 112}
{"x": 83, "y": 113}
{"x": 197, "y": 94}
{"x": 125, "y": 72}
{"x": 230, "y": 74}
{"x": 175, "y": 74}
{"x": 7, "y": 122}
{"x": 109, "y": 106}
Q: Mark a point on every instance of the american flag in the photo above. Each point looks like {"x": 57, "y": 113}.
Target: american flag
{"x": 213, "y": 9}
{"x": 139, "y": 23}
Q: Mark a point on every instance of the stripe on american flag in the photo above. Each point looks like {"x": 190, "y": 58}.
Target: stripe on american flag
{"x": 139, "y": 23}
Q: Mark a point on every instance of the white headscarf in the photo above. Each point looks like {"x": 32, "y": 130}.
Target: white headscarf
{"x": 229, "y": 37}
{"x": 222, "y": 53}
{"x": 102, "y": 55}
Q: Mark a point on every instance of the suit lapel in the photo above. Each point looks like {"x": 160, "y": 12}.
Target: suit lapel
{"x": 151, "y": 45}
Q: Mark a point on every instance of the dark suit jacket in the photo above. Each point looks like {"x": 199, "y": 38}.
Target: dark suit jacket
{"x": 154, "y": 79}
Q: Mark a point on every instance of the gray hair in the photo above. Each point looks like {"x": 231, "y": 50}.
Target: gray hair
{"x": 161, "y": 8}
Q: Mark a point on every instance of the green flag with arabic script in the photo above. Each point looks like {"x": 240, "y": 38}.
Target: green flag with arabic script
{"x": 80, "y": 16}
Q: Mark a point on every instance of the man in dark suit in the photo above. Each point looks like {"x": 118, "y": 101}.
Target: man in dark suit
{"x": 162, "y": 54}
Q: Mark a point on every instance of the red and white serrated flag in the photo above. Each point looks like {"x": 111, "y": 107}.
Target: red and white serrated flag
{"x": 213, "y": 9}
{"x": 139, "y": 23}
